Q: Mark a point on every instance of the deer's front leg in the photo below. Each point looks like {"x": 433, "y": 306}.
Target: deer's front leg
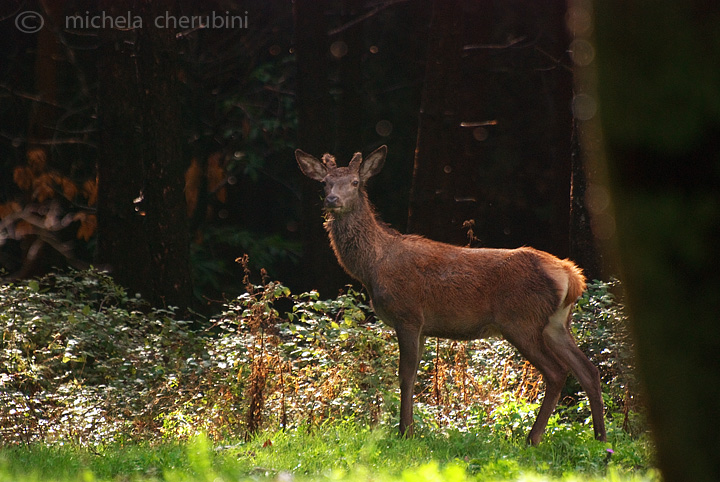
{"x": 411, "y": 346}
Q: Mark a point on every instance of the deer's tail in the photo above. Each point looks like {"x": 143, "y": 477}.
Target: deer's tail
{"x": 576, "y": 282}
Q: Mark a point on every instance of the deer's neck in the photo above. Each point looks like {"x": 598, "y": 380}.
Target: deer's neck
{"x": 358, "y": 240}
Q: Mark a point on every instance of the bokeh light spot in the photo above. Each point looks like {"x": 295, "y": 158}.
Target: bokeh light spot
{"x": 338, "y": 49}
{"x": 384, "y": 128}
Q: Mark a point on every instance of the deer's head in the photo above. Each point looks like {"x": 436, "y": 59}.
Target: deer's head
{"x": 344, "y": 186}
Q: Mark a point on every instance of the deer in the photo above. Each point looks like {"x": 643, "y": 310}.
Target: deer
{"x": 424, "y": 288}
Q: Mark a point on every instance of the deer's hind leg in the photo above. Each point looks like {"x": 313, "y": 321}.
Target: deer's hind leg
{"x": 554, "y": 372}
{"x": 558, "y": 337}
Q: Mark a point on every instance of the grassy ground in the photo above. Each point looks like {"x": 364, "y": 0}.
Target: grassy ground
{"x": 342, "y": 451}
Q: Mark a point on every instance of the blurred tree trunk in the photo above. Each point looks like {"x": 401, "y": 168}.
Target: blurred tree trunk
{"x": 494, "y": 139}
{"x": 659, "y": 88}
{"x": 142, "y": 223}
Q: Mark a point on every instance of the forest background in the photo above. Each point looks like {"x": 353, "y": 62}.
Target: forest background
{"x": 162, "y": 155}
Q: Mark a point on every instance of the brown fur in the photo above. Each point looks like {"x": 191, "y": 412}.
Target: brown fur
{"x": 425, "y": 288}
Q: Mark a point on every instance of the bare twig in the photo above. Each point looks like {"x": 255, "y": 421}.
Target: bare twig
{"x": 364, "y": 16}
{"x": 512, "y": 43}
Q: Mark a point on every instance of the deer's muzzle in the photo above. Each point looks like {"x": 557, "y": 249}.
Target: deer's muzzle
{"x": 332, "y": 202}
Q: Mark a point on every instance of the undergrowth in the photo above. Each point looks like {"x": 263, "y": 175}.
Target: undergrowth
{"x": 83, "y": 362}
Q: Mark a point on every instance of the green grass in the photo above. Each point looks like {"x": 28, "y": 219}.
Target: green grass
{"x": 342, "y": 451}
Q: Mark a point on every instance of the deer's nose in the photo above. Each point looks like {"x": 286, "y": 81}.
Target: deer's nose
{"x": 332, "y": 200}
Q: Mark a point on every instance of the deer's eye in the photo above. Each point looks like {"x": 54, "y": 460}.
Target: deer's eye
{"x": 355, "y": 183}
{"x": 323, "y": 183}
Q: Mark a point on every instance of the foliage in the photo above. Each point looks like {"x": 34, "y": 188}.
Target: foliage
{"x": 602, "y": 330}
{"x": 80, "y": 360}
{"x": 49, "y": 209}
{"x": 213, "y": 274}
{"x": 83, "y": 361}
{"x": 257, "y": 122}
{"x": 318, "y": 363}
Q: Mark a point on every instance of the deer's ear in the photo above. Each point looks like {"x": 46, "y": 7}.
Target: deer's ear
{"x": 355, "y": 162}
{"x": 373, "y": 163}
{"x": 310, "y": 166}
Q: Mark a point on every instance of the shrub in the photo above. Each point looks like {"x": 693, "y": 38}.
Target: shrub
{"x": 79, "y": 359}
{"x": 326, "y": 359}
{"x": 83, "y": 361}
{"x": 602, "y": 329}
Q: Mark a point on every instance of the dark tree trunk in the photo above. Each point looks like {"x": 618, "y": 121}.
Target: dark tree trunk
{"x": 45, "y": 114}
{"x": 431, "y": 197}
{"x": 120, "y": 164}
{"x": 347, "y": 54}
{"x": 658, "y": 89}
{"x": 315, "y": 135}
{"x": 584, "y": 247}
{"x": 495, "y": 126}
{"x": 142, "y": 225}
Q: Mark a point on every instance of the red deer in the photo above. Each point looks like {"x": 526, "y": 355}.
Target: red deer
{"x": 425, "y": 288}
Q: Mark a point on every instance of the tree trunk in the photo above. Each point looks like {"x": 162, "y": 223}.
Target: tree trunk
{"x": 142, "y": 225}
{"x": 658, "y": 88}
{"x": 315, "y": 134}
{"x": 347, "y": 50}
{"x": 431, "y": 197}
{"x": 495, "y": 126}
{"x": 584, "y": 247}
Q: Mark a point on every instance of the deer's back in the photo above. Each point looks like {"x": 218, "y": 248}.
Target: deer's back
{"x": 460, "y": 292}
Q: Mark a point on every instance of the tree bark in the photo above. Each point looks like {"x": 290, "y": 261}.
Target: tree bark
{"x": 658, "y": 88}
{"x": 142, "y": 223}
{"x": 584, "y": 248}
